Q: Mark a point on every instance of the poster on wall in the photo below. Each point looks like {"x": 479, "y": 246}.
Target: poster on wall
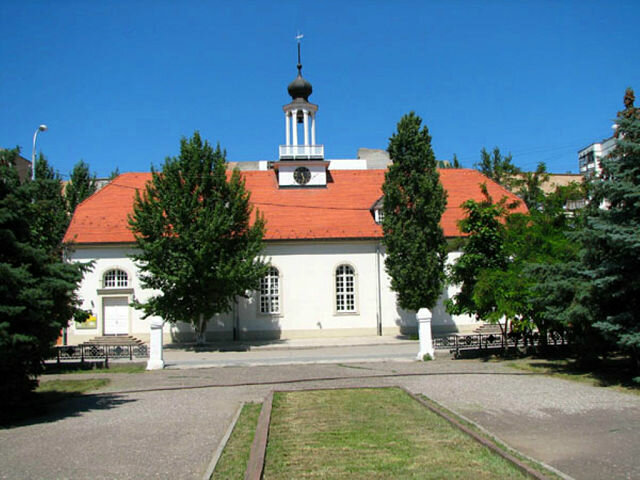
{"x": 90, "y": 323}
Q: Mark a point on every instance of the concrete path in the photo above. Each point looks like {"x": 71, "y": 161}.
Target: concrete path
{"x": 166, "y": 424}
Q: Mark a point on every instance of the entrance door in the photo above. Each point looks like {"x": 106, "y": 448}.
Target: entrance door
{"x": 116, "y": 315}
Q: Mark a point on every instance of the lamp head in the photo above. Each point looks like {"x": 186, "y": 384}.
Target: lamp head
{"x": 42, "y": 128}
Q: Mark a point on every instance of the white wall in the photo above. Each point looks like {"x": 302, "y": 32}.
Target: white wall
{"x": 307, "y": 296}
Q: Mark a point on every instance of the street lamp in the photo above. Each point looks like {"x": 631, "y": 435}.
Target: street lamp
{"x": 41, "y": 128}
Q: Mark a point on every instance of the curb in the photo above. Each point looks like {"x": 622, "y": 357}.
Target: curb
{"x": 223, "y": 443}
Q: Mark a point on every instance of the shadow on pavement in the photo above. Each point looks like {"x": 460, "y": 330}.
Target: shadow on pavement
{"x": 53, "y": 406}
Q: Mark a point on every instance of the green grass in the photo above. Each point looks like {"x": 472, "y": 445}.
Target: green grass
{"x": 371, "y": 434}
{"x": 234, "y": 458}
{"x": 611, "y": 373}
{"x": 72, "y": 386}
{"x": 92, "y": 368}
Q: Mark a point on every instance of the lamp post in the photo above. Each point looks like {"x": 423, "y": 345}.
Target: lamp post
{"x": 41, "y": 128}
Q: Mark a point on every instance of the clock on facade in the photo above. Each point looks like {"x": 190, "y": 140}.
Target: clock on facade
{"x": 302, "y": 175}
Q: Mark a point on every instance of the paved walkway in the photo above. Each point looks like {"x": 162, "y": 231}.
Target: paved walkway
{"x": 166, "y": 424}
{"x": 299, "y": 351}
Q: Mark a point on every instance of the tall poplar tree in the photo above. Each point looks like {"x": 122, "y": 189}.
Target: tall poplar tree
{"x": 51, "y": 218}
{"x": 196, "y": 240}
{"x": 414, "y": 201}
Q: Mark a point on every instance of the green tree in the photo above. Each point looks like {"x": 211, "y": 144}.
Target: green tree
{"x": 36, "y": 293}
{"x": 455, "y": 162}
{"x": 534, "y": 245}
{"x": 530, "y": 186}
{"x": 499, "y": 168}
{"x": 82, "y": 184}
{"x": 414, "y": 201}
{"x": 195, "y": 239}
{"x": 610, "y": 258}
{"x": 484, "y": 250}
{"x": 50, "y": 219}
{"x": 114, "y": 174}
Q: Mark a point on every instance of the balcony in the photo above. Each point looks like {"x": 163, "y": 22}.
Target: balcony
{"x": 301, "y": 152}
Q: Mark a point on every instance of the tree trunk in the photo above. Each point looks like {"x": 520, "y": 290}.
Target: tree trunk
{"x": 201, "y": 336}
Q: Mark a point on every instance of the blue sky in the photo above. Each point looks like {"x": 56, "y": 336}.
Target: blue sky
{"x": 120, "y": 82}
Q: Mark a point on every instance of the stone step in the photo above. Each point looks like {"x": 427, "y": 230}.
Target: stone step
{"x": 114, "y": 340}
{"x": 487, "y": 329}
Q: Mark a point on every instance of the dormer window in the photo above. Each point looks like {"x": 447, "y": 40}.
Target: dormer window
{"x": 115, "y": 278}
{"x": 376, "y": 210}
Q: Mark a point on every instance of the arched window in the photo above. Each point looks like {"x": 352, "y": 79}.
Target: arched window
{"x": 270, "y": 291}
{"x": 345, "y": 289}
{"x": 115, "y": 279}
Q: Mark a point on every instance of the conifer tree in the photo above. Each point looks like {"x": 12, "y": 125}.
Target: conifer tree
{"x": 611, "y": 240}
{"x": 414, "y": 201}
{"x": 82, "y": 184}
{"x": 36, "y": 292}
{"x": 196, "y": 240}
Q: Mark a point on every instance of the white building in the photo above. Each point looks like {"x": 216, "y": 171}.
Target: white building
{"x": 589, "y": 157}
{"x": 323, "y": 241}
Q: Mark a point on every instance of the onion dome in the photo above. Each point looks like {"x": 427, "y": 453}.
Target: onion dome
{"x": 300, "y": 88}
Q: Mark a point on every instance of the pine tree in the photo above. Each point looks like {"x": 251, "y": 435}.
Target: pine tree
{"x": 196, "y": 242}
{"x": 36, "y": 293}
{"x": 82, "y": 184}
{"x": 414, "y": 201}
{"x": 611, "y": 240}
{"x": 50, "y": 216}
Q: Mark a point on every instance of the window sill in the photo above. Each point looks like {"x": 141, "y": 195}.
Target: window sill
{"x": 115, "y": 291}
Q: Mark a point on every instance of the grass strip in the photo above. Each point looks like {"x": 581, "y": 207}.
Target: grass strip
{"x": 234, "y": 458}
{"x": 93, "y": 367}
{"x": 373, "y": 434}
{"x": 72, "y": 386}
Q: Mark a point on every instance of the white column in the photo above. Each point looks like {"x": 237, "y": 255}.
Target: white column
{"x": 424, "y": 333}
{"x": 156, "y": 361}
{"x": 313, "y": 128}
{"x": 306, "y": 127}
{"x": 294, "y": 126}
{"x": 286, "y": 128}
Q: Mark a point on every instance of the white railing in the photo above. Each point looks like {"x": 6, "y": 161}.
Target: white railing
{"x": 301, "y": 151}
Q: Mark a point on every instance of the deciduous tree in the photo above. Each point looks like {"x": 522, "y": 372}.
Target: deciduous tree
{"x": 499, "y": 168}
{"x": 483, "y": 250}
{"x": 195, "y": 238}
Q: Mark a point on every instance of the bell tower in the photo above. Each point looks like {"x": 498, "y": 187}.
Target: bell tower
{"x": 301, "y": 161}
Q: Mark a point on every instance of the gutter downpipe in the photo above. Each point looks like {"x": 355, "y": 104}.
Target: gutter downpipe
{"x": 379, "y": 292}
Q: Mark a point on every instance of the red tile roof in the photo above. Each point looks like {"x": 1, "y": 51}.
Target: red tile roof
{"x": 340, "y": 211}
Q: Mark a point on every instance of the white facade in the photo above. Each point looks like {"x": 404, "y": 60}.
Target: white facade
{"x": 307, "y": 297}
{"x": 589, "y": 157}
